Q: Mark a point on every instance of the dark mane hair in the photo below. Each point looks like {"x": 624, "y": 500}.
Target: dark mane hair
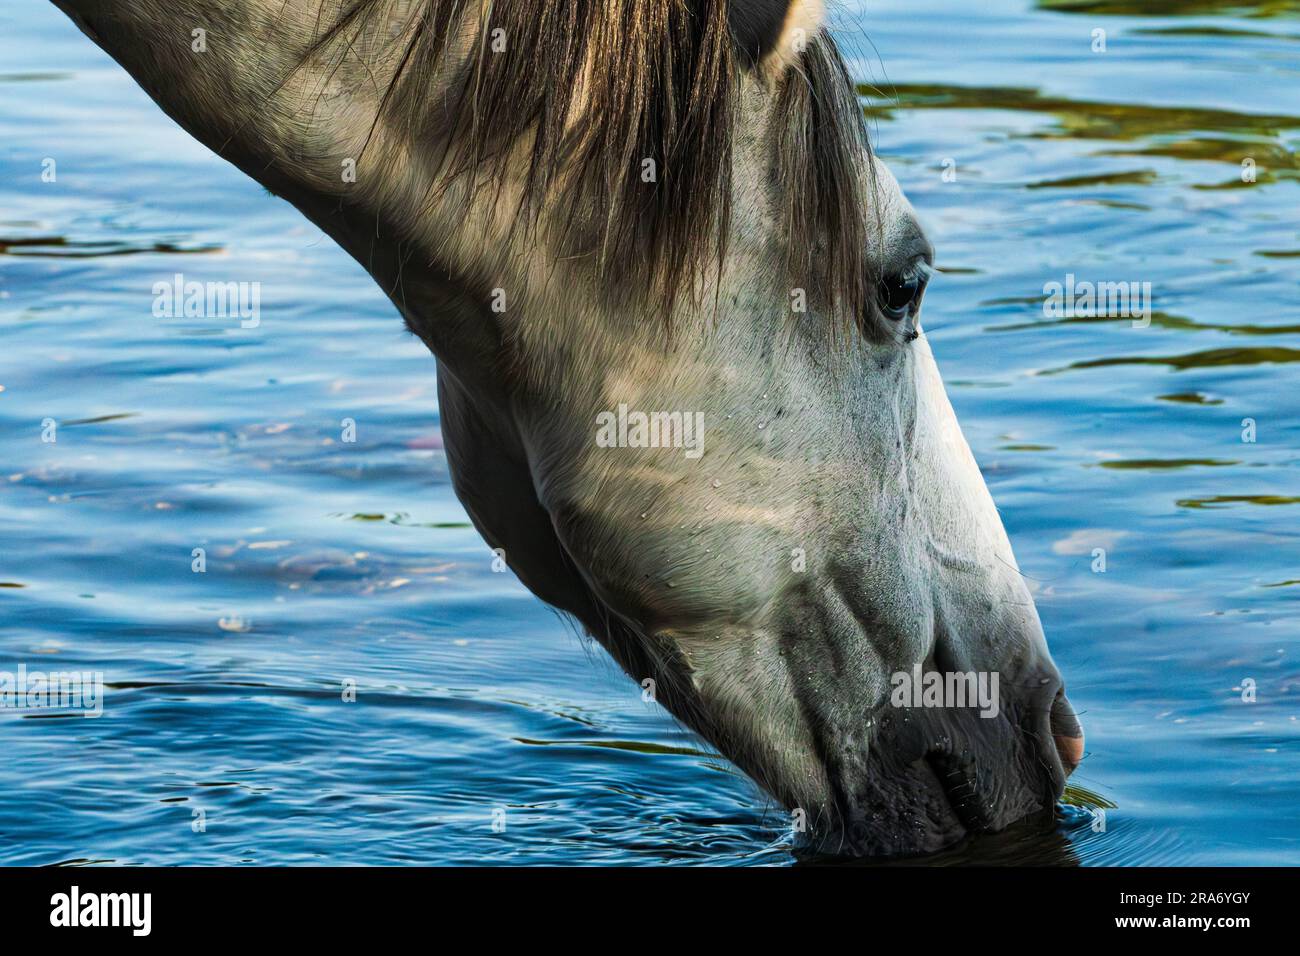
{"x": 593, "y": 88}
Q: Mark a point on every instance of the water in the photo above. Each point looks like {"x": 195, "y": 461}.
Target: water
{"x": 330, "y": 562}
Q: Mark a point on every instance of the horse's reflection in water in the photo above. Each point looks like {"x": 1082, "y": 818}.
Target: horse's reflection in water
{"x": 1033, "y": 841}
{"x": 646, "y": 209}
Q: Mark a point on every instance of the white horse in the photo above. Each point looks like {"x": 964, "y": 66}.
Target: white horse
{"x": 674, "y": 301}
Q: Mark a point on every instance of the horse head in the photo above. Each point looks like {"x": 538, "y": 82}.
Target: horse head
{"x": 685, "y": 391}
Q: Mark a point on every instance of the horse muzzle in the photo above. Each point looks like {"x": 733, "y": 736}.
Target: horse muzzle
{"x": 936, "y": 774}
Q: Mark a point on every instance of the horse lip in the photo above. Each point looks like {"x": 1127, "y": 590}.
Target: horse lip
{"x": 1067, "y": 732}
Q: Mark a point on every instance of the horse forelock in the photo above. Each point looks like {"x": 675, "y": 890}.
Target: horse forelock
{"x": 625, "y": 115}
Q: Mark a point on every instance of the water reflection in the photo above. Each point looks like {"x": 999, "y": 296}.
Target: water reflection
{"x": 1173, "y": 8}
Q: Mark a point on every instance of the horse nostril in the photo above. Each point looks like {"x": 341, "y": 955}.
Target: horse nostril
{"x": 1066, "y": 732}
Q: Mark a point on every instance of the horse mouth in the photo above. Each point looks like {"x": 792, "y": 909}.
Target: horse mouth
{"x": 957, "y": 781}
{"x": 941, "y": 803}
{"x": 933, "y": 779}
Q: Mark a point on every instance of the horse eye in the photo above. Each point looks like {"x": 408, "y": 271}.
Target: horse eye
{"x": 900, "y": 294}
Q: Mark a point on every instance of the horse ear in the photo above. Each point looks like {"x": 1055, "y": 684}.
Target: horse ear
{"x": 771, "y": 35}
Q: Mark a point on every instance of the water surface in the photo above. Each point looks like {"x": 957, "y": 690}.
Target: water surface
{"x": 331, "y": 562}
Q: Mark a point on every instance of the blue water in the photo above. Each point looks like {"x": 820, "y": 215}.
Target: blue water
{"x": 225, "y": 737}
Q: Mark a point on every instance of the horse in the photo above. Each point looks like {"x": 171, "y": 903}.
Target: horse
{"x": 674, "y": 301}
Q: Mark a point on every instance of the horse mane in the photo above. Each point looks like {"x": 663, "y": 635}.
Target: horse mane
{"x": 591, "y": 89}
